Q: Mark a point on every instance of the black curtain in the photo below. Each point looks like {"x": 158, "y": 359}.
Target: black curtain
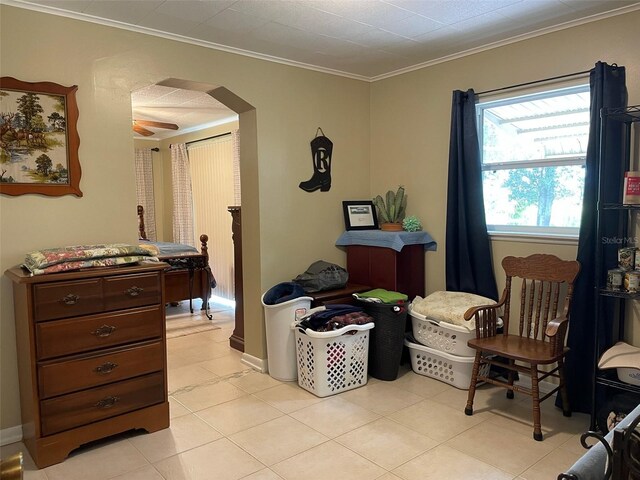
{"x": 607, "y": 90}
{"x": 468, "y": 263}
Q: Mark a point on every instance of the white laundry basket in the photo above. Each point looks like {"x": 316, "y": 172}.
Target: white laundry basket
{"x": 281, "y": 348}
{"x": 332, "y": 362}
{"x": 442, "y": 336}
{"x": 451, "y": 369}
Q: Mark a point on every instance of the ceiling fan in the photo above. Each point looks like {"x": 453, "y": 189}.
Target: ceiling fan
{"x": 138, "y": 126}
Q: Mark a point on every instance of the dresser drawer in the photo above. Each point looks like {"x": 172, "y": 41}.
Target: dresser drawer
{"x": 126, "y": 291}
{"x": 88, "y": 406}
{"x": 67, "y": 299}
{"x": 65, "y": 337}
{"x": 68, "y": 376}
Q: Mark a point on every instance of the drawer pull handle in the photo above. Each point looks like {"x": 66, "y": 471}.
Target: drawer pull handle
{"x": 106, "y": 368}
{"x": 107, "y": 402}
{"x": 70, "y": 299}
{"x": 134, "y": 291}
{"x": 104, "y": 331}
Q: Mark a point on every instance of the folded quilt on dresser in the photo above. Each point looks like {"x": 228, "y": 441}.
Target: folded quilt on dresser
{"x": 75, "y": 257}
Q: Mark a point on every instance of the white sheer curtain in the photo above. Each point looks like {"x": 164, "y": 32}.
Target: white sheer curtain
{"x": 212, "y": 173}
{"x": 144, "y": 189}
{"x": 182, "y": 196}
{"x": 235, "y": 139}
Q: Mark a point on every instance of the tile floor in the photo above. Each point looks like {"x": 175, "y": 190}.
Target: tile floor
{"x": 230, "y": 422}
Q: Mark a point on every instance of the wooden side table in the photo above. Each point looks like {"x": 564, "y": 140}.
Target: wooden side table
{"x": 390, "y": 260}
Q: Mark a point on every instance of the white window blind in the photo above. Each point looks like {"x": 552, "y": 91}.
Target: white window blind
{"x": 212, "y": 182}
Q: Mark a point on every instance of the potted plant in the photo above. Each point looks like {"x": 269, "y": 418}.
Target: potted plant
{"x": 391, "y": 213}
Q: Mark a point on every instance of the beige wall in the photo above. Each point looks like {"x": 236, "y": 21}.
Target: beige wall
{"x": 282, "y": 221}
{"x": 410, "y": 119}
{"x": 391, "y": 132}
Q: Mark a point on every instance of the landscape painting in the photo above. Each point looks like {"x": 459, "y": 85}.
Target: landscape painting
{"x": 38, "y": 138}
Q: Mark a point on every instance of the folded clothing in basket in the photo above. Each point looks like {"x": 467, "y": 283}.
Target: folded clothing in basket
{"x": 449, "y": 307}
{"x": 380, "y": 295}
{"x": 335, "y": 316}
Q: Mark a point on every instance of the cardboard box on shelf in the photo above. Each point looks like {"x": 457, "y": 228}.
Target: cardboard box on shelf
{"x": 631, "y": 190}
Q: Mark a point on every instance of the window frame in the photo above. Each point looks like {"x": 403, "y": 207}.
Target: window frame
{"x": 529, "y": 231}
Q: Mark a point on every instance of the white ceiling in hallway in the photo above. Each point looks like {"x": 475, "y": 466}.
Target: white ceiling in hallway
{"x": 188, "y": 109}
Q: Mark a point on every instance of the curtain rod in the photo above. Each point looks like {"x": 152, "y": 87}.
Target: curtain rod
{"x": 559, "y": 77}
{"x": 208, "y": 138}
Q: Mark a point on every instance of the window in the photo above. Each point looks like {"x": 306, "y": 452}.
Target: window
{"x": 533, "y": 152}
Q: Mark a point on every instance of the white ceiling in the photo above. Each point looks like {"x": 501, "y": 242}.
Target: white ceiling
{"x": 363, "y": 39}
{"x": 188, "y": 109}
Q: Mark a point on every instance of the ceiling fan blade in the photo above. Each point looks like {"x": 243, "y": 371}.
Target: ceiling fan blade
{"x": 141, "y": 130}
{"x": 151, "y": 123}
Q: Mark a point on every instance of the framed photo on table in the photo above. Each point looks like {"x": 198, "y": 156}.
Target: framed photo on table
{"x": 38, "y": 139}
{"x": 359, "y": 215}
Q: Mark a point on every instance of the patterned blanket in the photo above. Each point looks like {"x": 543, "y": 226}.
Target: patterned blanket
{"x": 449, "y": 307}
{"x": 75, "y": 257}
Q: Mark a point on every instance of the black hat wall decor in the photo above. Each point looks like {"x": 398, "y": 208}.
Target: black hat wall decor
{"x": 321, "y": 150}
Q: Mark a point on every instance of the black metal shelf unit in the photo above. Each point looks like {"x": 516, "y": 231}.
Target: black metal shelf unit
{"x": 610, "y": 304}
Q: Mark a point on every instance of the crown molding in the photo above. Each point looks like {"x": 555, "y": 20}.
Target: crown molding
{"x": 306, "y": 66}
{"x": 509, "y": 41}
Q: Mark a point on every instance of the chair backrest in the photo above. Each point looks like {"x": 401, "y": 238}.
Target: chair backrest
{"x": 544, "y": 278}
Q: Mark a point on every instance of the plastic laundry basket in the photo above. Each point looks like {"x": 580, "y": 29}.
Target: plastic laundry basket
{"x": 332, "y": 362}
{"x": 281, "y": 346}
{"x": 387, "y": 338}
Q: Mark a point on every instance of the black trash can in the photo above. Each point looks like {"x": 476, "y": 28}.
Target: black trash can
{"x": 387, "y": 338}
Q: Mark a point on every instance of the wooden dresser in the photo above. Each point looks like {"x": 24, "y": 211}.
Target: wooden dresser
{"x": 91, "y": 356}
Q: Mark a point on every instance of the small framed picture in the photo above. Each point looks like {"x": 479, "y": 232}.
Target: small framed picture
{"x": 359, "y": 215}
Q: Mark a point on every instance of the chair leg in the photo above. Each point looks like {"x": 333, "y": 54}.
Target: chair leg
{"x": 472, "y": 385}
{"x": 535, "y": 395}
{"x": 511, "y": 376}
{"x": 566, "y": 408}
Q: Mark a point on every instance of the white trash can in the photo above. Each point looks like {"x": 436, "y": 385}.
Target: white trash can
{"x": 281, "y": 343}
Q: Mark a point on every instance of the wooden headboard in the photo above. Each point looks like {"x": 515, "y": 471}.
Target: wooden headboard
{"x": 142, "y": 234}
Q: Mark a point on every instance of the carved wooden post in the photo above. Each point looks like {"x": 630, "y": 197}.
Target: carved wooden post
{"x": 142, "y": 234}
{"x": 237, "y": 338}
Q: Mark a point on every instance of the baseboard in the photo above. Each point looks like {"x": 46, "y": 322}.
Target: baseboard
{"x": 10, "y": 435}
{"x": 259, "y": 364}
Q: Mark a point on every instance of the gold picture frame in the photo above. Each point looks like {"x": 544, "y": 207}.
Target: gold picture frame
{"x": 38, "y": 139}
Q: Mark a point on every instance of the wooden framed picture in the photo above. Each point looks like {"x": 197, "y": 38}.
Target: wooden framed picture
{"x": 359, "y": 215}
{"x": 38, "y": 139}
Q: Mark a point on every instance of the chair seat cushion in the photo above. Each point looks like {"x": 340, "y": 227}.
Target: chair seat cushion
{"x": 518, "y": 348}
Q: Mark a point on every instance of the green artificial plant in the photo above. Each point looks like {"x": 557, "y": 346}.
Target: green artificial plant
{"x": 393, "y": 210}
{"x": 412, "y": 224}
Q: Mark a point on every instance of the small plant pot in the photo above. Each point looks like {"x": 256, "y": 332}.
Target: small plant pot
{"x": 391, "y": 227}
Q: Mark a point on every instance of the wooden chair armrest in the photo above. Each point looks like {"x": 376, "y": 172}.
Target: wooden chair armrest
{"x": 554, "y": 326}
{"x": 469, "y": 314}
{"x": 486, "y": 317}
{"x": 557, "y": 331}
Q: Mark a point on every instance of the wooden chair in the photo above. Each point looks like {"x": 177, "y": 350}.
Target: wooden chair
{"x": 541, "y": 334}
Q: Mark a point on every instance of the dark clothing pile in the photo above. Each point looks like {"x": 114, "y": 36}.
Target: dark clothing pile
{"x": 335, "y": 317}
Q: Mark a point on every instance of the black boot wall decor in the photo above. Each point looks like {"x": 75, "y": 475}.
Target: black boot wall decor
{"x": 321, "y": 149}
